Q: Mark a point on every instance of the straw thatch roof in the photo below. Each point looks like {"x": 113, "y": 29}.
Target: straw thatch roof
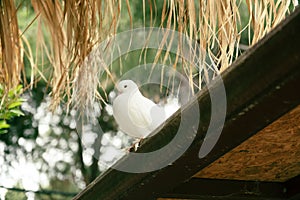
{"x": 76, "y": 27}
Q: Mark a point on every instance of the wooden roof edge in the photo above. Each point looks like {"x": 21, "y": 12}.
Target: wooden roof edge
{"x": 205, "y": 188}
{"x": 202, "y": 188}
{"x": 261, "y": 86}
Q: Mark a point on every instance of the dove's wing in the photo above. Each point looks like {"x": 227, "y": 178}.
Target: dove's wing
{"x": 139, "y": 110}
{"x": 158, "y": 116}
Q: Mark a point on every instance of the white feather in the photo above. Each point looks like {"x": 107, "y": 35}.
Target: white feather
{"x": 136, "y": 115}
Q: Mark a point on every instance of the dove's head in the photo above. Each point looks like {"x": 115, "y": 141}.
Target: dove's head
{"x": 126, "y": 86}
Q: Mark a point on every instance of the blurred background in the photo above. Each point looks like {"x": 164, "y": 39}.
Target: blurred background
{"x": 41, "y": 153}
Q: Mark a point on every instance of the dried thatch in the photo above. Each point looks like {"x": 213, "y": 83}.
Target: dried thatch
{"x": 75, "y": 26}
{"x": 11, "y": 48}
{"x": 217, "y": 24}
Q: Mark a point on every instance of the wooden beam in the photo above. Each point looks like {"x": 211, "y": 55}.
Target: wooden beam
{"x": 255, "y": 158}
{"x": 198, "y": 188}
{"x": 293, "y": 187}
{"x": 261, "y": 86}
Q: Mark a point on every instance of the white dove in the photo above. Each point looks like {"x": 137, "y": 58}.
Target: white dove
{"x": 136, "y": 115}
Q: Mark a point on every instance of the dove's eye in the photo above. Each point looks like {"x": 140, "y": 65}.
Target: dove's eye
{"x": 125, "y": 86}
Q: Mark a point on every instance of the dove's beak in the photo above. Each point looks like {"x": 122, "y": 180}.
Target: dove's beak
{"x": 119, "y": 91}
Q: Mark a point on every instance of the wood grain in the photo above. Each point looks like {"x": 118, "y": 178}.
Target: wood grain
{"x": 271, "y": 155}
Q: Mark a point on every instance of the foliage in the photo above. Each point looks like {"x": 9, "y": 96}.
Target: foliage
{"x": 15, "y": 195}
{"x": 49, "y": 141}
{"x": 10, "y": 106}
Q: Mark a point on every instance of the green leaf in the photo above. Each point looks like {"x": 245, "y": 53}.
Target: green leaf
{"x": 1, "y": 90}
{"x": 3, "y": 124}
{"x": 8, "y": 115}
{"x": 11, "y": 94}
{"x": 3, "y": 131}
{"x": 21, "y": 100}
{"x": 15, "y": 91}
{"x": 17, "y": 112}
{"x": 19, "y": 89}
{"x": 10, "y": 106}
{"x": 14, "y": 104}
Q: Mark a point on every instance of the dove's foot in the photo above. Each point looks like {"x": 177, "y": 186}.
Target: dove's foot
{"x": 136, "y": 144}
{"x": 128, "y": 149}
{"x": 134, "y": 147}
